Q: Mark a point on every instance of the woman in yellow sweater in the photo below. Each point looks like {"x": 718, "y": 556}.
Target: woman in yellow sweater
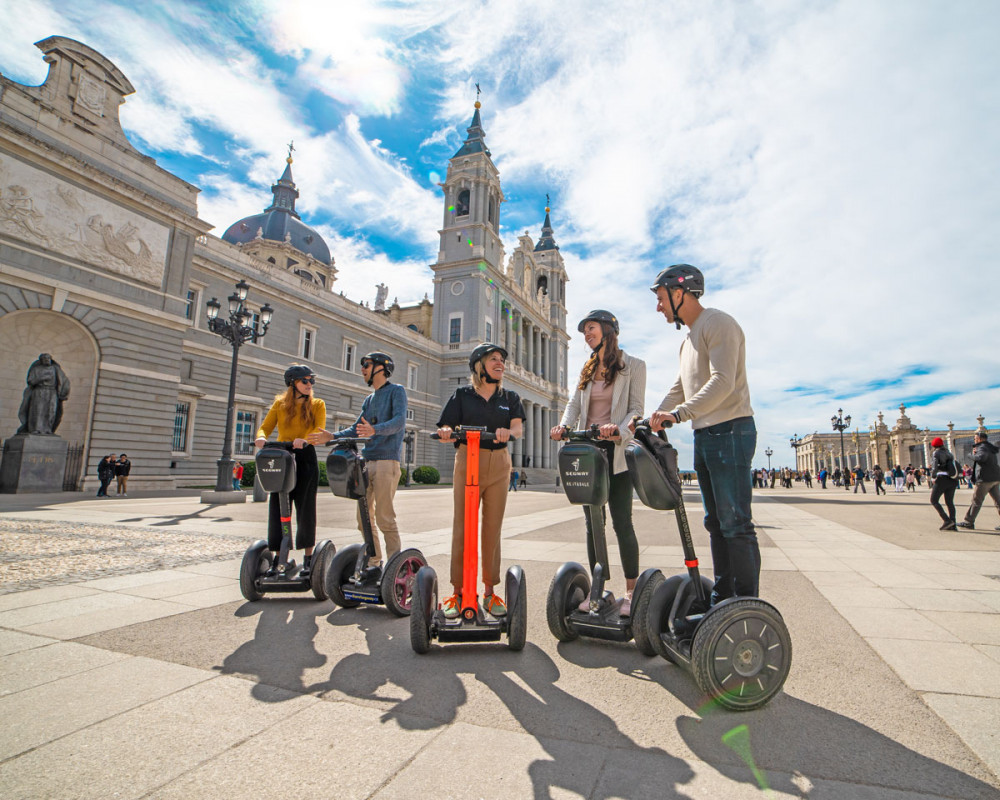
{"x": 297, "y": 414}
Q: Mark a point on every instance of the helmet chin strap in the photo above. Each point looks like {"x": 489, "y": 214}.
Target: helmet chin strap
{"x": 674, "y": 309}
{"x": 486, "y": 376}
{"x": 371, "y": 378}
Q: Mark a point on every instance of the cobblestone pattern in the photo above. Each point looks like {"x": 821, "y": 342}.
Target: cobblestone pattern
{"x": 38, "y": 554}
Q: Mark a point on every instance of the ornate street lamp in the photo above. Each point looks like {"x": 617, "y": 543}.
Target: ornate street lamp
{"x": 408, "y": 439}
{"x": 236, "y": 330}
{"x": 796, "y": 443}
{"x": 842, "y": 423}
{"x": 768, "y": 452}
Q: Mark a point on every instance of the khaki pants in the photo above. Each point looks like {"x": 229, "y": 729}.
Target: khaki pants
{"x": 122, "y": 484}
{"x": 979, "y": 494}
{"x": 383, "y": 478}
{"x": 494, "y": 475}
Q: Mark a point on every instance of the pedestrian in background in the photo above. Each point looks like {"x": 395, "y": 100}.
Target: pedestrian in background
{"x": 859, "y": 480}
{"x": 237, "y": 476}
{"x": 899, "y": 478}
{"x": 985, "y": 479}
{"x": 122, "y": 468}
{"x": 878, "y": 478}
{"x": 105, "y": 474}
{"x": 945, "y": 472}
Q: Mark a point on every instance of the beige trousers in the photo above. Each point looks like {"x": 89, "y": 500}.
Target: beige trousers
{"x": 494, "y": 476}
{"x": 383, "y": 478}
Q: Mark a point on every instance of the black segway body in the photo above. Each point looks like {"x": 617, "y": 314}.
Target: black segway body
{"x": 276, "y": 470}
{"x": 349, "y": 581}
{"x": 586, "y": 476}
{"x": 473, "y": 624}
{"x": 738, "y": 650}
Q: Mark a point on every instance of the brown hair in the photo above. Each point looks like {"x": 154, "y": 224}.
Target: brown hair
{"x": 613, "y": 359}
{"x": 300, "y": 406}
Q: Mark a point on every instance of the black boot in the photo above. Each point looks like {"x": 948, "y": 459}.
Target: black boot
{"x": 744, "y": 561}
{"x": 306, "y": 570}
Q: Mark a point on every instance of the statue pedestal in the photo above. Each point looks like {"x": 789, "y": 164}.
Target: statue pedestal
{"x": 33, "y": 463}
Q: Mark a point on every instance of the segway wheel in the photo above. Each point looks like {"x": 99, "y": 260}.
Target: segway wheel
{"x": 660, "y": 605}
{"x": 339, "y": 572}
{"x": 422, "y": 604}
{"x": 640, "y": 615}
{"x": 398, "y": 577}
{"x": 741, "y": 653}
{"x": 570, "y": 586}
{"x": 321, "y": 556}
{"x": 256, "y": 561}
{"x": 517, "y": 632}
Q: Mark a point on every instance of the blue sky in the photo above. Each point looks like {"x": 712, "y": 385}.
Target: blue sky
{"x": 831, "y": 166}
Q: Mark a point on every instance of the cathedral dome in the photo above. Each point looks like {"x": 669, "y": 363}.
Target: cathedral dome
{"x": 280, "y": 222}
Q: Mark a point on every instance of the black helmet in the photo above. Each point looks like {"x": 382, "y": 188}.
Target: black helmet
{"x": 297, "y": 372}
{"x": 382, "y": 359}
{"x": 484, "y": 350}
{"x": 599, "y": 315}
{"x": 681, "y": 276}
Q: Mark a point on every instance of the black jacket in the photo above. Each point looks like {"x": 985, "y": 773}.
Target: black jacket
{"x": 105, "y": 471}
{"x": 123, "y": 467}
{"x": 985, "y": 468}
{"x": 942, "y": 461}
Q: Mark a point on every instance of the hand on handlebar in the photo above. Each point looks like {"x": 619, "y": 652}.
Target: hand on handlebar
{"x": 501, "y": 435}
{"x": 659, "y": 420}
{"x": 444, "y": 434}
{"x": 299, "y": 443}
{"x": 558, "y": 432}
{"x": 610, "y": 432}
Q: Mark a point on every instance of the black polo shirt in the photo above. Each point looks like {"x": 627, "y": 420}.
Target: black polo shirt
{"x": 467, "y": 407}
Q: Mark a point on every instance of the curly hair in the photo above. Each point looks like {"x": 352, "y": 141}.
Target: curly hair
{"x": 613, "y": 360}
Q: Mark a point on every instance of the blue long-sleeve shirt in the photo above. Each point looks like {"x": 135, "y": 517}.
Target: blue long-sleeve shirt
{"x": 385, "y": 410}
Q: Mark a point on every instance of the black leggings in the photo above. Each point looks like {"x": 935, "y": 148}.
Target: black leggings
{"x": 303, "y": 497}
{"x": 620, "y": 502}
{"x": 946, "y": 487}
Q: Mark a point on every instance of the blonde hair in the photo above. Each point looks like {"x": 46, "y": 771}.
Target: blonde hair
{"x": 476, "y": 379}
{"x": 301, "y": 406}
{"x": 613, "y": 360}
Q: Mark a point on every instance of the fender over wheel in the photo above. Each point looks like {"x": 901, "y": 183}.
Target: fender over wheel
{"x": 398, "y": 578}
{"x": 317, "y": 577}
{"x": 640, "y": 613}
{"x": 570, "y": 586}
{"x": 256, "y": 561}
{"x": 741, "y": 653}
{"x": 422, "y": 605}
{"x": 339, "y": 572}
{"x": 517, "y": 614}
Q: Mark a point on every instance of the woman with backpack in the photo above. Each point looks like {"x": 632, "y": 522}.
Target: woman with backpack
{"x": 945, "y": 472}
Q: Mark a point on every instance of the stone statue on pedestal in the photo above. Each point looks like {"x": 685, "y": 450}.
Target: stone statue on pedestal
{"x": 381, "y": 293}
{"x": 47, "y": 388}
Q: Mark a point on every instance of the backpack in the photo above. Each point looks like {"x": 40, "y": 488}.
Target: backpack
{"x": 952, "y": 468}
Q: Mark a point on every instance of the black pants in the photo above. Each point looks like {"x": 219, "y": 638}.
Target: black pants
{"x": 945, "y": 487}
{"x": 879, "y": 485}
{"x": 103, "y": 491}
{"x": 620, "y": 503}
{"x": 303, "y": 497}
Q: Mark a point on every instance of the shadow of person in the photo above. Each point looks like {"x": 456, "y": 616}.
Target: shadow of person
{"x": 789, "y": 743}
{"x": 588, "y": 754}
{"x": 281, "y": 650}
{"x": 422, "y": 692}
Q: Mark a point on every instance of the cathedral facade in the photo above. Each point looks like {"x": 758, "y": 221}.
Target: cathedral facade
{"x": 105, "y": 264}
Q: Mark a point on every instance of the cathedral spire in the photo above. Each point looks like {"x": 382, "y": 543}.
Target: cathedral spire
{"x": 284, "y": 191}
{"x": 546, "y": 242}
{"x": 475, "y": 141}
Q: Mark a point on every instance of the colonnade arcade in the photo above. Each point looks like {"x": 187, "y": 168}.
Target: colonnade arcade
{"x": 536, "y": 450}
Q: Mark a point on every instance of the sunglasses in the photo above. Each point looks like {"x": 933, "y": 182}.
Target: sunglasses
{"x": 307, "y": 380}
{"x": 365, "y": 363}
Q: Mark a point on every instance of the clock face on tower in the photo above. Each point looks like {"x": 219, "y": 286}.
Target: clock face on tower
{"x": 457, "y": 287}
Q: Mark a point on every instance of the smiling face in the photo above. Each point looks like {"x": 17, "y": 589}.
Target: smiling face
{"x": 663, "y": 301}
{"x": 592, "y": 333}
{"x": 305, "y": 385}
{"x": 494, "y": 364}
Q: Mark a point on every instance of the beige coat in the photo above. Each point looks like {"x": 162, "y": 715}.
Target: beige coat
{"x": 627, "y": 396}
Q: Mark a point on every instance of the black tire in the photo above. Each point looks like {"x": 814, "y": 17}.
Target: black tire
{"x": 517, "y": 631}
{"x": 398, "y": 578}
{"x": 741, "y": 653}
{"x": 660, "y": 605}
{"x": 256, "y": 561}
{"x": 640, "y": 615}
{"x": 423, "y": 601}
{"x": 317, "y": 578}
{"x": 340, "y": 570}
{"x": 567, "y": 590}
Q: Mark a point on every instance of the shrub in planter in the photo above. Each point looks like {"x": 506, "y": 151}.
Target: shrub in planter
{"x": 402, "y": 477}
{"x": 426, "y": 475}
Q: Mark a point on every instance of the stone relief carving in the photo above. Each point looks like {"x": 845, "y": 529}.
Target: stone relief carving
{"x": 91, "y": 95}
{"x": 76, "y": 223}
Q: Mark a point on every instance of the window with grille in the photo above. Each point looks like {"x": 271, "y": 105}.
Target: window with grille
{"x": 455, "y": 330}
{"x": 182, "y": 415}
{"x": 246, "y": 428}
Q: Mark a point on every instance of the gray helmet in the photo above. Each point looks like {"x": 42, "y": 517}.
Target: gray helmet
{"x": 681, "y": 276}
{"x": 484, "y": 350}
{"x": 297, "y": 372}
{"x": 599, "y": 315}
{"x": 381, "y": 359}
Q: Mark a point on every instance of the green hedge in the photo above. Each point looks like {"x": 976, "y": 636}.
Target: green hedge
{"x": 426, "y": 475}
{"x": 402, "y": 477}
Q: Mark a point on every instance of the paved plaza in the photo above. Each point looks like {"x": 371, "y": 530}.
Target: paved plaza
{"x": 130, "y": 665}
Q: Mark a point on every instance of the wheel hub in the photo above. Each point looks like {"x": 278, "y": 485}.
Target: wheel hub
{"x": 748, "y": 657}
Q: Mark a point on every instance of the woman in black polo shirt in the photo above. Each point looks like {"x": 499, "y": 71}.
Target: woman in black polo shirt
{"x": 483, "y": 404}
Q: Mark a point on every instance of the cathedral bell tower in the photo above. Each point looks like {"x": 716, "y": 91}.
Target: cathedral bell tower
{"x": 469, "y": 266}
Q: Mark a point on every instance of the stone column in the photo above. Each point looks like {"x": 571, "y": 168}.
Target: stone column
{"x": 543, "y": 367}
{"x": 526, "y": 450}
{"x": 526, "y": 325}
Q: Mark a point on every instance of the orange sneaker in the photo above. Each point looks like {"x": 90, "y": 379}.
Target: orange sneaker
{"x": 451, "y": 606}
{"x": 493, "y": 604}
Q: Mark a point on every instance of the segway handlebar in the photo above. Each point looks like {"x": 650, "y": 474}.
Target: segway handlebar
{"x": 592, "y": 433}
{"x": 349, "y": 440}
{"x": 459, "y": 435}
{"x": 645, "y": 423}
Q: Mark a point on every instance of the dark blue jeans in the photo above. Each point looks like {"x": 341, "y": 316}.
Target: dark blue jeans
{"x": 722, "y": 458}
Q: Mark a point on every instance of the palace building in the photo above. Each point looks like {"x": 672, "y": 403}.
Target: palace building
{"x": 105, "y": 264}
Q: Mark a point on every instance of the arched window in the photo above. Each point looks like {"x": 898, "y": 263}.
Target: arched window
{"x": 462, "y": 204}
{"x": 543, "y": 284}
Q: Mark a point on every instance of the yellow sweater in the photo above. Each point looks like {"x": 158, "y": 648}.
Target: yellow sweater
{"x": 291, "y": 429}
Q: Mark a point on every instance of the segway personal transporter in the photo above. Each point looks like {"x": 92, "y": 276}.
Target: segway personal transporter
{"x": 738, "y": 650}
{"x": 585, "y": 473}
{"x": 473, "y": 624}
{"x": 349, "y": 579}
{"x": 276, "y": 472}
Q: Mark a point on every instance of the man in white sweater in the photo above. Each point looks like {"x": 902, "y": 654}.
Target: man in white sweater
{"x": 711, "y": 391}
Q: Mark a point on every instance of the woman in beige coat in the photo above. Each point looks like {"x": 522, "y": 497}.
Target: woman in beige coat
{"x": 609, "y": 394}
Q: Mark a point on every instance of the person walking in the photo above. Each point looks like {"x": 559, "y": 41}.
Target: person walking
{"x": 711, "y": 392}
{"x": 945, "y": 472}
{"x": 513, "y": 481}
{"x": 609, "y": 394}
{"x": 484, "y": 404}
{"x": 859, "y": 480}
{"x": 296, "y": 414}
{"x": 237, "y": 476}
{"x": 899, "y": 478}
{"x": 383, "y": 421}
{"x": 910, "y": 480}
{"x": 105, "y": 474}
{"x": 985, "y": 479}
{"x": 878, "y": 478}
{"x": 808, "y": 479}
{"x": 823, "y": 475}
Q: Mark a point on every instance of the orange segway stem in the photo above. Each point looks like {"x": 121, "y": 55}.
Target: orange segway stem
{"x": 470, "y": 560}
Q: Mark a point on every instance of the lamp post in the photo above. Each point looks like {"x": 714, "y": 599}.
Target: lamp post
{"x": 842, "y": 423}
{"x": 796, "y": 443}
{"x": 236, "y": 330}
{"x": 769, "y": 452}
{"x": 408, "y": 439}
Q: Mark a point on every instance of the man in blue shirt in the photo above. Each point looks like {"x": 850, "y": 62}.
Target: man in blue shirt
{"x": 383, "y": 419}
